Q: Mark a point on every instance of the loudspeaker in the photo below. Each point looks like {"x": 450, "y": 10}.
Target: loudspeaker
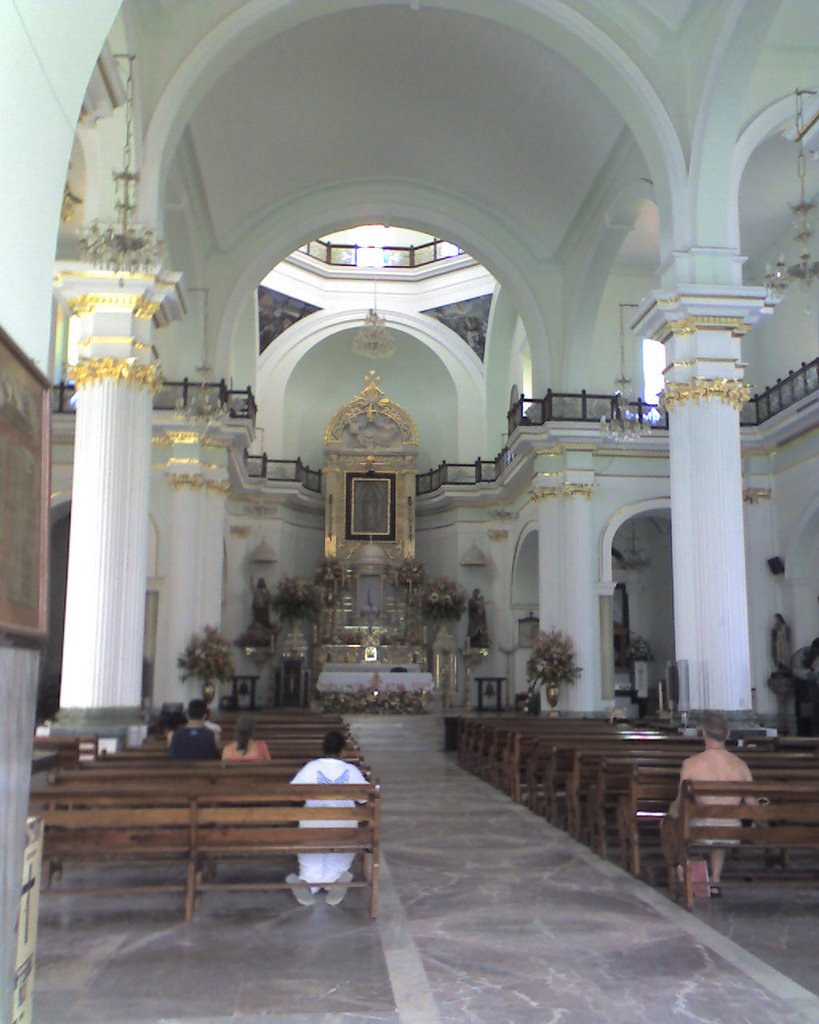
{"x": 776, "y": 565}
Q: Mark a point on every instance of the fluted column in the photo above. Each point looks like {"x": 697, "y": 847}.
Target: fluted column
{"x": 115, "y": 380}
{"x": 196, "y": 475}
{"x": 107, "y": 555}
{"x": 568, "y": 599}
{"x": 704, "y": 393}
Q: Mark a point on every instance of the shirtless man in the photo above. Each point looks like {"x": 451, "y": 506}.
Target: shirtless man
{"x": 714, "y": 764}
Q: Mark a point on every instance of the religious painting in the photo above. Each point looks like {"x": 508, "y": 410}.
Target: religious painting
{"x": 24, "y": 447}
{"x": 370, "y": 506}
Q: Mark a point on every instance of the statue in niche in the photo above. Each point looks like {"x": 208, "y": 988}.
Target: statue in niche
{"x": 378, "y": 432}
{"x": 260, "y": 631}
{"x": 477, "y": 631}
{"x": 781, "y": 644}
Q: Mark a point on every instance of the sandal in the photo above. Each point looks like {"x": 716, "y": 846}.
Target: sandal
{"x": 714, "y": 890}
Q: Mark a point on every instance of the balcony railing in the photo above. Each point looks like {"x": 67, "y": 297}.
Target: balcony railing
{"x": 177, "y": 396}
{"x": 461, "y": 474}
{"x": 336, "y": 254}
{"x": 260, "y": 467}
{"x": 582, "y": 407}
{"x": 779, "y": 396}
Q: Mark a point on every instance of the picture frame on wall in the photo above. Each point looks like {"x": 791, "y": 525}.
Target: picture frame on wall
{"x": 24, "y": 497}
{"x": 370, "y": 506}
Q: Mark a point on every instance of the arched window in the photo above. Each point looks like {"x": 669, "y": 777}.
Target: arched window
{"x": 653, "y": 366}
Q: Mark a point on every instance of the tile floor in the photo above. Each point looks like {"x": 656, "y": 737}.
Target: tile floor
{"x": 487, "y": 915}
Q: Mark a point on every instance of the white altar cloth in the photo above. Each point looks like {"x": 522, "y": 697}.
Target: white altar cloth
{"x": 350, "y": 682}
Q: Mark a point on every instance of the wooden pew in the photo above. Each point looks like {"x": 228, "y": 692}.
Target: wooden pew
{"x": 268, "y": 825}
{"x": 778, "y": 816}
{"x": 143, "y": 827}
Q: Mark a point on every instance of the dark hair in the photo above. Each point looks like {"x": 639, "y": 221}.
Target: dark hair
{"x": 244, "y": 733}
{"x": 333, "y": 743}
{"x": 715, "y": 726}
{"x": 197, "y": 708}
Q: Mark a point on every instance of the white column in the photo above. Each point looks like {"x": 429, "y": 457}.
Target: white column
{"x": 197, "y": 477}
{"x": 567, "y": 573}
{"x": 763, "y": 599}
{"x": 107, "y": 555}
{"x": 704, "y": 392}
{"x": 115, "y": 380}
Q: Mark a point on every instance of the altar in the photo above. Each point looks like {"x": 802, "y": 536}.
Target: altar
{"x": 374, "y": 689}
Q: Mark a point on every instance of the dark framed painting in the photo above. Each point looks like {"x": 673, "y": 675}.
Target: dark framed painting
{"x": 24, "y": 472}
{"x": 370, "y": 506}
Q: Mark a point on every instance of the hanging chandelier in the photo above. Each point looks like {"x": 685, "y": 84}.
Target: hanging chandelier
{"x": 373, "y": 339}
{"x": 123, "y": 245}
{"x": 779, "y": 277}
{"x": 623, "y": 423}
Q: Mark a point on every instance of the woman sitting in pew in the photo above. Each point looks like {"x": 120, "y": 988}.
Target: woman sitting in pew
{"x": 245, "y": 747}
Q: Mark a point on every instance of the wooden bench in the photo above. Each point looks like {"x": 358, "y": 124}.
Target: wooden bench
{"x": 779, "y": 817}
{"x": 143, "y": 827}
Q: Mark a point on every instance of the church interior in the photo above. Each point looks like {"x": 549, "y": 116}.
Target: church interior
{"x": 351, "y": 350}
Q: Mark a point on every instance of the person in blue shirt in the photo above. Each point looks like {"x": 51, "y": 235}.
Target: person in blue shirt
{"x": 195, "y": 741}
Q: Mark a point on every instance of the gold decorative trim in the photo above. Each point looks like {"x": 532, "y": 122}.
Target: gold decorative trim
{"x": 114, "y": 339}
{"x": 184, "y": 462}
{"x": 100, "y": 275}
{"x": 240, "y": 531}
{"x": 733, "y": 392}
{"x": 695, "y": 324}
{"x": 372, "y": 403}
{"x": 498, "y": 534}
{"x": 182, "y": 437}
{"x": 178, "y": 480}
{"x": 121, "y": 370}
{"x": 220, "y": 486}
{"x": 91, "y": 302}
{"x": 544, "y": 494}
{"x": 577, "y": 490}
{"x": 752, "y": 495}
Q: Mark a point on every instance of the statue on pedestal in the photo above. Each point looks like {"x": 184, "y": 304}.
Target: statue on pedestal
{"x": 477, "y": 631}
{"x": 260, "y": 632}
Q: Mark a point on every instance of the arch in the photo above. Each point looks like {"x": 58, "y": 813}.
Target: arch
{"x": 524, "y": 582}
{"x": 714, "y": 195}
{"x": 803, "y": 543}
{"x": 555, "y": 25}
{"x": 615, "y": 521}
{"x": 460, "y": 363}
{"x": 321, "y": 211}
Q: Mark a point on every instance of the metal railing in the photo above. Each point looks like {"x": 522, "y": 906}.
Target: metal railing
{"x": 581, "y": 407}
{"x": 337, "y": 254}
{"x": 260, "y": 467}
{"x": 461, "y": 474}
{"x": 177, "y": 396}
{"x": 781, "y": 395}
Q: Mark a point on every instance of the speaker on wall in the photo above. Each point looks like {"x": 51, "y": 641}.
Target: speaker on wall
{"x": 776, "y": 565}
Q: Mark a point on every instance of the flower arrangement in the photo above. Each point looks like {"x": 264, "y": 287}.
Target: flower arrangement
{"x": 207, "y": 656}
{"x": 329, "y": 572}
{"x": 443, "y": 601}
{"x": 411, "y": 574}
{"x": 398, "y": 701}
{"x": 295, "y": 599}
{"x": 552, "y": 660}
{"x": 640, "y": 650}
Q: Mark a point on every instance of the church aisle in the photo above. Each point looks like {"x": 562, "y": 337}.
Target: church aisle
{"x": 487, "y": 915}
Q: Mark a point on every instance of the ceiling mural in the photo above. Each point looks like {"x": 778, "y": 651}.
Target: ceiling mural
{"x": 468, "y": 319}
{"x": 277, "y": 312}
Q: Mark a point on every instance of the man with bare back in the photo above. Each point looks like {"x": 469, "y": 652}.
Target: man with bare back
{"x": 714, "y": 764}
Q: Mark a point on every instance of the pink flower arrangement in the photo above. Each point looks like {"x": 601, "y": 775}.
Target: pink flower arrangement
{"x": 207, "y": 655}
{"x": 411, "y": 574}
{"x": 552, "y": 660}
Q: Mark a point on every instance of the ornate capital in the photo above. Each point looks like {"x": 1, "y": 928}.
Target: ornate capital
{"x": 123, "y": 371}
{"x": 219, "y": 486}
{"x": 694, "y": 324}
{"x": 565, "y": 490}
{"x": 733, "y": 392}
{"x": 92, "y": 302}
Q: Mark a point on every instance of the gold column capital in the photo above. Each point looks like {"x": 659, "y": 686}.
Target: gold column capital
{"x": 178, "y": 480}
{"x": 128, "y": 302}
{"x": 123, "y": 371}
{"x": 733, "y": 392}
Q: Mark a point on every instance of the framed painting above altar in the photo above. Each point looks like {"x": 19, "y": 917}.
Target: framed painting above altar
{"x": 370, "y": 506}
{"x": 24, "y": 464}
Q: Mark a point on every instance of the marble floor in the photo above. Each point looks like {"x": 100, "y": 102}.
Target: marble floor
{"x": 487, "y": 915}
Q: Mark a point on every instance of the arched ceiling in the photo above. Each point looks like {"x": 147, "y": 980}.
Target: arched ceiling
{"x": 453, "y": 100}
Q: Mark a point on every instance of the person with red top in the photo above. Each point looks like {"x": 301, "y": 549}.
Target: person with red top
{"x": 245, "y": 747}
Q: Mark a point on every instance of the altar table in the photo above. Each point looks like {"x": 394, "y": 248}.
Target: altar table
{"x": 353, "y": 681}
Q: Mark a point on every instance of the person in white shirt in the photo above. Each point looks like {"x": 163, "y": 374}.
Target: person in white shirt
{"x": 317, "y": 870}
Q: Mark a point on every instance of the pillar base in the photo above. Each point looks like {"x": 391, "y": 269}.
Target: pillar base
{"x": 110, "y": 721}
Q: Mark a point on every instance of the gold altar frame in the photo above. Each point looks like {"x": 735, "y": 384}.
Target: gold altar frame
{"x": 370, "y": 506}
{"x": 24, "y": 469}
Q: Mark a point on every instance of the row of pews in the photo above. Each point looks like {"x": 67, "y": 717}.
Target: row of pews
{"x": 609, "y": 785}
{"x": 178, "y": 821}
